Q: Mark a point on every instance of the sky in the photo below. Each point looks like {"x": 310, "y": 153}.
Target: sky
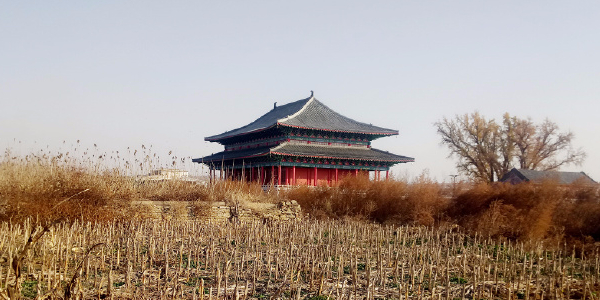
{"x": 122, "y": 74}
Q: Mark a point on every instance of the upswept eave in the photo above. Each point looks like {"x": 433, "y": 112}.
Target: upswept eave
{"x": 308, "y": 114}
{"x": 343, "y": 153}
{"x": 311, "y": 151}
{"x": 265, "y": 122}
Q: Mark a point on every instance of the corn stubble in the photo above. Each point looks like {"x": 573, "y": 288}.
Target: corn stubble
{"x": 296, "y": 260}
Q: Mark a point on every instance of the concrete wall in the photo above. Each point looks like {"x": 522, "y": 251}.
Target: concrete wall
{"x": 219, "y": 211}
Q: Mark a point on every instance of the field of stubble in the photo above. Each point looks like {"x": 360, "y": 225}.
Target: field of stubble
{"x": 310, "y": 259}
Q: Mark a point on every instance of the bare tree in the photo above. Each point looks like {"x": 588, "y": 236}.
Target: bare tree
{"x": 487, "y": 150}
{"x": 475, "y": 142}
{"x": 543, "y": 147}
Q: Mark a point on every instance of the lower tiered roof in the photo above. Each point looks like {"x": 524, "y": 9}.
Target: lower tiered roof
{"x": 309, "y": 151}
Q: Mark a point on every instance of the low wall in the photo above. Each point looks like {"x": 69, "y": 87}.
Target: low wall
{"x": 219, "y": 211}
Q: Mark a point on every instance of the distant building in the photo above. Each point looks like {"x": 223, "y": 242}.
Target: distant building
{"x": 166, "y": 174}
{"x": 301, "y": 143}
{"x": 516, "y": 176}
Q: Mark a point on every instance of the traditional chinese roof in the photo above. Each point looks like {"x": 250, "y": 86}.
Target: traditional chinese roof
{"x": 328, "y": 152}
{"x": 307, "y": 113}
{"x": 519, "y": 175}
{"x": 312, "y": 151}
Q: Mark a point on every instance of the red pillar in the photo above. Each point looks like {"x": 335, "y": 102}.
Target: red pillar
{"x": 261, "y": 176}
{"x": 336, "y": 176}
{"x": 272, "y": 175}
{"x": 315, "y": 179}
{"x": 387, "y": 174}
{"x": 294, "y": 175}
{"x": 279, "y": 175}
{"x": 355, "y": 172}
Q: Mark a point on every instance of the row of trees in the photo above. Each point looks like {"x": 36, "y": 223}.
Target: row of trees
{"x": 486, "y": 149}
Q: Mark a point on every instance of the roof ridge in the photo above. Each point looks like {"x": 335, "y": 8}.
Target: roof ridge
{"x": 289, "y": 117}
{"x": 277, "y": 147}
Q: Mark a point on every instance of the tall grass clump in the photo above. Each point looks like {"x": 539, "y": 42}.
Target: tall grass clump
{"x": 529, "y": 211}
{"x": 420, "y": 202}
{"x": 91, "y": 187}
{"x": 39, "y": 186}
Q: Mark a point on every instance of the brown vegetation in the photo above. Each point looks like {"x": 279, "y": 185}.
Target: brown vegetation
{"x": 50, "y": 188}
{"x": 67, "y": 232}
{"x": 518, "y": 212}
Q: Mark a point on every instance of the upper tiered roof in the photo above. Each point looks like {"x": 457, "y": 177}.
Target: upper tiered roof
{"x": 307, "y": 113}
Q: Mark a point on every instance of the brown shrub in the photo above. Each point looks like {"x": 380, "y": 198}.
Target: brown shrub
{"x": 528, "y": 211}
{"x": 40, "y": 188}
{"x": 386, "y": 201}
{"x": 48, "y": 189}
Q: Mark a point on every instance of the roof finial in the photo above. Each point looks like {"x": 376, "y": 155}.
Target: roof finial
{"x": 311, "y": 94}
{"x": 275, "y": 105}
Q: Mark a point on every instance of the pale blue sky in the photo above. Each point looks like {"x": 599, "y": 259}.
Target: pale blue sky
{"x": 168, "y": 73}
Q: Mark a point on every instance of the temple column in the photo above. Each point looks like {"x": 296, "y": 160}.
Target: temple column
{"x": 315, "y": 179}
{"x": 294, "y": 175}
{"x": 387, "y": 174}
{"x": 272, "y": 175}
{"x": 355, "y": 172}
{"x": 336, "y": 176}
{"x": 279, "y": 175}
{"x": 261, "y": 176}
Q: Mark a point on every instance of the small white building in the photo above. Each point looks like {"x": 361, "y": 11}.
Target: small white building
{"x": 166, "y": 174}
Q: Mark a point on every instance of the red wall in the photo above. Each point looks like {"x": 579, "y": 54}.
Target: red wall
{"x": 304, "y": 176}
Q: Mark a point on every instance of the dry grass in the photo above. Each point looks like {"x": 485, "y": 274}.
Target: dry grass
{"x": 526, "y": 212}
{"x": 365, "y": 240}
{"x": 32, "y": 186}
{"x": 397, "y": 202}
{"x": 52, "y": 187}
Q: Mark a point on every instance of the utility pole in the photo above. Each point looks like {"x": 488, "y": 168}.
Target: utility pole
{"x": 453, "y": 184}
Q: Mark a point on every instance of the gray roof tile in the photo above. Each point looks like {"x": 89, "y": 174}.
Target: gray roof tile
{"x": 307, "y": 113}
{"x": 319, "y": 151}
{"x": 306, "y": 150}
{"x": 538, "y": 176}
